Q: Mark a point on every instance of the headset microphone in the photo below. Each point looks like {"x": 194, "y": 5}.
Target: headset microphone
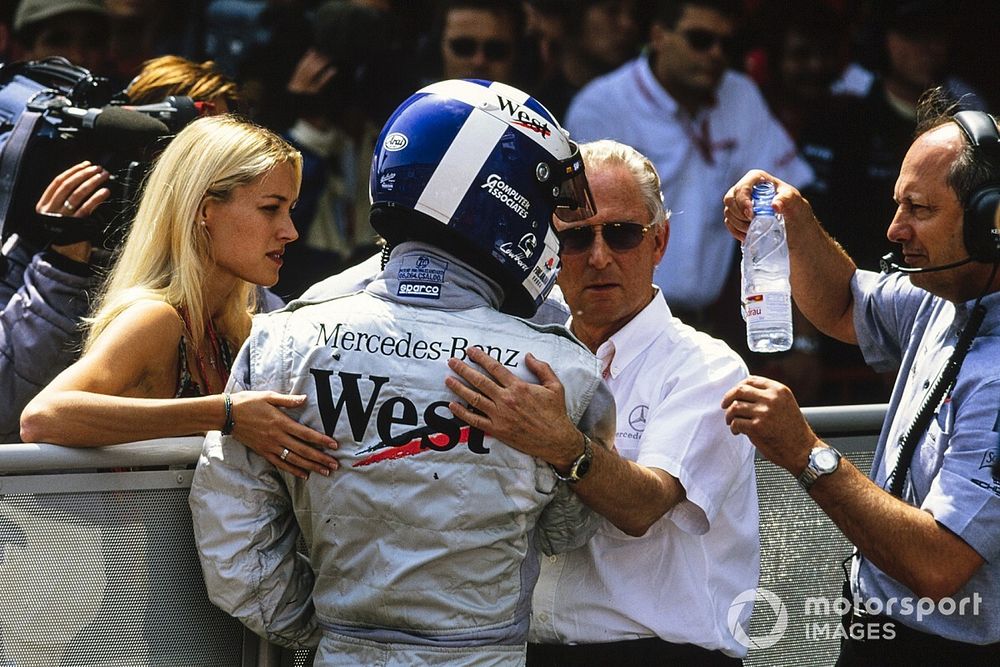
{"x": 893, "y": 262}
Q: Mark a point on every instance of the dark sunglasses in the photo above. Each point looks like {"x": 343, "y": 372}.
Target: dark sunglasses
{"x": 704, "y": 40}
{"x": 493, "y": 49}
{"x": 620, "y": 236}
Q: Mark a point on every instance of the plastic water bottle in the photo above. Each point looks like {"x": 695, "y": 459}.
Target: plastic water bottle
{"x": 767, "y": 294}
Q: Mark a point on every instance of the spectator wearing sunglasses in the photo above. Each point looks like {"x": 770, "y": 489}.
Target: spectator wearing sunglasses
{"x": 479, "y": 39}
{"x": 678, "y": 540}
{"x": 701, "y": 124}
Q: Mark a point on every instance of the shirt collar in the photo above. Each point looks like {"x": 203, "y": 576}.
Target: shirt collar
{"x": 651, "y": 88}
{"x": 656, "y": 95}
{"x": 638, "y": 334}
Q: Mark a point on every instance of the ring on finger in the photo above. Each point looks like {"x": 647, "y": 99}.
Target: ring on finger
{"x": 68, "y": 205}
{"x": 284, "y": 454}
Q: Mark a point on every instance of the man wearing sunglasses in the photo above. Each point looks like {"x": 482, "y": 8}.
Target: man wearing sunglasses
{"x": 478, "y": 39}
{"x": 678, "y": 541}
{"x": 702, "y": 125}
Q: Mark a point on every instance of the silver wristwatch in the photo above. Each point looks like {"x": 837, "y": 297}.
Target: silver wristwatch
{"x": 822, "y": 461}
{"x": 581, "y": 466}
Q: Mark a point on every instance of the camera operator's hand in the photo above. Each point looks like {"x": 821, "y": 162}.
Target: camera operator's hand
{"x": 75, "y": 193}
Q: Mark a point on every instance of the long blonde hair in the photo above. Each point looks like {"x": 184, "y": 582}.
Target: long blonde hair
{"x": 167, "y": 253}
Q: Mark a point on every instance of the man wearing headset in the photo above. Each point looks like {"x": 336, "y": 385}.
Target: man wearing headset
{"x": 925, "y": 580}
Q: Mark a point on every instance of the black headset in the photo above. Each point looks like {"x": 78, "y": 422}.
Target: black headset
{"x": 981, "y": 229}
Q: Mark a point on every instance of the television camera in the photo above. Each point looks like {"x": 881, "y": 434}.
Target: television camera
{"x": 54, "y": 114}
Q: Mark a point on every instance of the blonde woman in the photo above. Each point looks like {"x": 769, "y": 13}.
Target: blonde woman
{"x": 45, "y": 290}
{"x": 213, "y": 222}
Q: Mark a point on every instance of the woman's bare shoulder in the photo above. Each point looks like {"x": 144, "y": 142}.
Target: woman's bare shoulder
{"x": 146, "y": 323}
{"x": 137, "y": 350}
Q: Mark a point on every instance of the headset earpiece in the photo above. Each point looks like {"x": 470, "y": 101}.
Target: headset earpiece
{"x": 982, "y": 216}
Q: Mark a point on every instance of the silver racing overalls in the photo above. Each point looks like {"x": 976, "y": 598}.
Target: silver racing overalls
{"x": 424, "y": 546}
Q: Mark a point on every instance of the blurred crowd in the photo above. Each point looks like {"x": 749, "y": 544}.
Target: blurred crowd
{"x": 842, "y": 77}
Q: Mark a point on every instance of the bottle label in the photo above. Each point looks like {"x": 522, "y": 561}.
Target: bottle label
{"x": 768, "y": 307}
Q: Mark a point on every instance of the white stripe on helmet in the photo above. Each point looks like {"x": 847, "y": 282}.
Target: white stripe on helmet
{"x": 463, "y": 160}
{"x": 545, "y": 133}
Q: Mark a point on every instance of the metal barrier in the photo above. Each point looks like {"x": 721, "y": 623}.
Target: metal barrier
{"x": 98, "y": 565}
{"x": 802, "y": 550}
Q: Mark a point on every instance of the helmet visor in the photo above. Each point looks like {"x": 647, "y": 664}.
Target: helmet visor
{"x": 574, "y": 201}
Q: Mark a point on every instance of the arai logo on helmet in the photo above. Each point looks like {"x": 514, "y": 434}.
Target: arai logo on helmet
{"x": 396, "y": 141}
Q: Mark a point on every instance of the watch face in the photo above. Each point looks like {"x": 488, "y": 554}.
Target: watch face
{"x": 582, "y": 468}
{"x": 826, "y": 460}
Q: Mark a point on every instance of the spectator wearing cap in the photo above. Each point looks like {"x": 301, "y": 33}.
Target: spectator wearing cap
{"x": 74, "y": 29}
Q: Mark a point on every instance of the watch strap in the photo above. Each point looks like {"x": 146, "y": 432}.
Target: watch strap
{"x": 580, "y": 467}
{"x": 812, "y": 472}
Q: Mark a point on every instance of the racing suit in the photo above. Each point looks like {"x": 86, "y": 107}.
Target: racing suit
{"x": 423, "y": 546}
{"x": 552, "y": 311}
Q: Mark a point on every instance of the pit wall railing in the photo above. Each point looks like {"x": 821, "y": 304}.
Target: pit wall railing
{"x": 98, "y": 564}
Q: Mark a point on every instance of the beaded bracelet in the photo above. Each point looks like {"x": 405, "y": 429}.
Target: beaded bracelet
{"x": 227, "y": 428}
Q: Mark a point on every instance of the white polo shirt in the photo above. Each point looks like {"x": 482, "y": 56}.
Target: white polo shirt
{"x": 678, "y": 581}
{"x": 698, "y": 158}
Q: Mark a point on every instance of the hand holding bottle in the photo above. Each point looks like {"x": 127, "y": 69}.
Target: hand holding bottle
{"x": 766, "y": 291}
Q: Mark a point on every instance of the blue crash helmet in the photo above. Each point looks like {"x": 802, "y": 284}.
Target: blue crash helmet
{"x": 478, "y": 169}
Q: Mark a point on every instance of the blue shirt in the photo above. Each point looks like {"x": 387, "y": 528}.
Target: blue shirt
{"x": 950, "y": 474}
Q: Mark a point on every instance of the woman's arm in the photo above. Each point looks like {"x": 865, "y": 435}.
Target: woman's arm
{"x": 121, "y": 391}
